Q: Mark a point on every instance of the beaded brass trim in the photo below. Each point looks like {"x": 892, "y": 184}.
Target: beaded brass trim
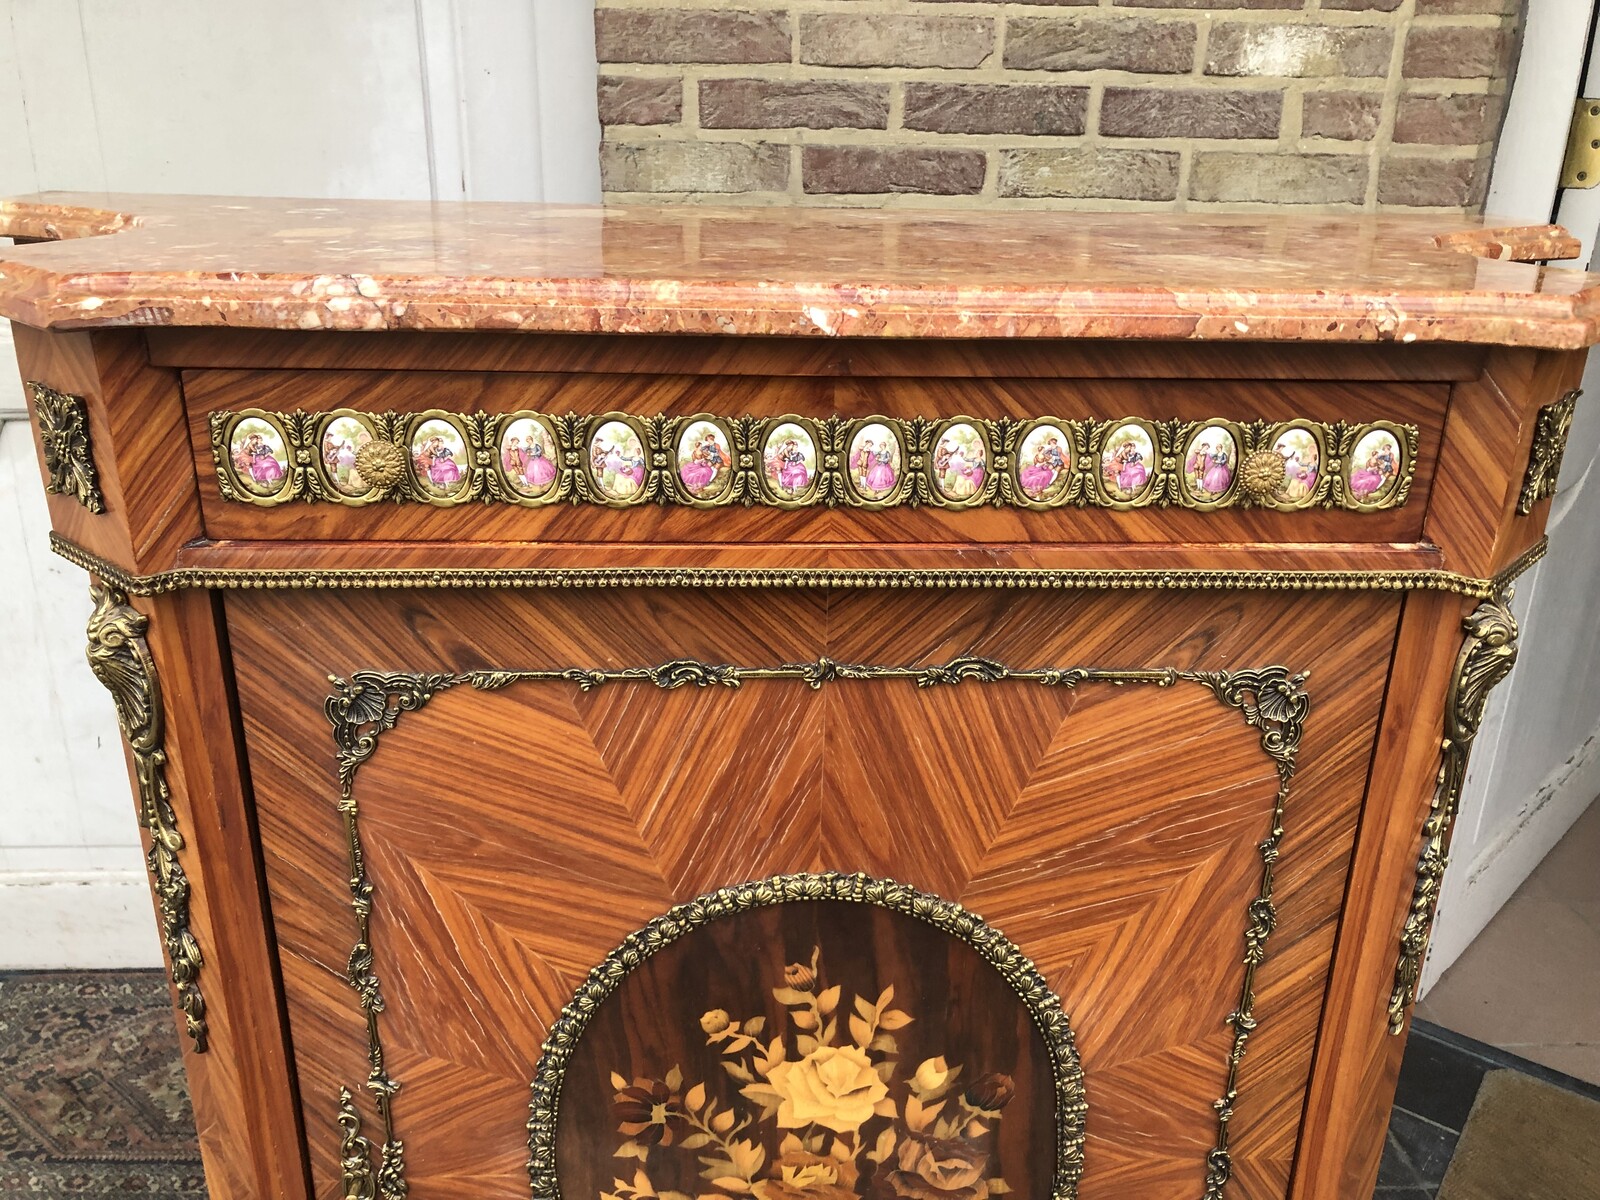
{"x": 120, "y": 659}
{"x": 1487, "y": 656}
{"x": 368, "y": 704}
{"x": 1085, "y": 579}
{"x": 1549, "y": 445}
{"x": 618, "y": 459}
{"x": 64, "y": 435}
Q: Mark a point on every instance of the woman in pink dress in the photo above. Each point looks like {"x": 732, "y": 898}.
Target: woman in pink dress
{"x": 264, "y": 466}
{"x": 881, "y": 476}
{"x": 1218, "y": 474}
{"x": 698, "y": 472}
{"x": 1132, "y": 474}
{"x": 1038, "y": 476}
{"x": 793, "y": 476}
{"x": 538, "y": 470}
{"x": 442, "y": 469}
{"x": 1368, "y": 479}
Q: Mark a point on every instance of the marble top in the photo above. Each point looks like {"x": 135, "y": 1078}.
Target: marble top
{"x": 359, "y": 265}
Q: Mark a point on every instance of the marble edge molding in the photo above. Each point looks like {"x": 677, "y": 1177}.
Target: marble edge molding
{"x": 889, "y": 578}
{"x": 216, "y": 261}
{"x": 370, "y": 303}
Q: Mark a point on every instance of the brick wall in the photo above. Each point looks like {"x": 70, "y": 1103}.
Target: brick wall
{"x": 1159, "y": 104}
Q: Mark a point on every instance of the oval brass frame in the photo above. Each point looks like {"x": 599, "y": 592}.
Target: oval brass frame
{"x": 287, "y": 489}
{"x": 368, "y": 422}
{"x": 766, "y": 428}
{"x": 989, "y": 435}
{"x": 680, "y": 492}
{"x": 1095, "y": 462}
{"x": 471, "y": 474}
{"x": 1073, "y": 492}
{"x": 1324, "y": 484}
{"x": 591, "y": 431}
{"x": 1405, "y": 438}
{"x": 1186, "y": 437}
{"x": 499, "y": 427}
{"x": 855, "y": 494}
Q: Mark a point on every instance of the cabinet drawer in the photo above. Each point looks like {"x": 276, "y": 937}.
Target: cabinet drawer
{"x": 524, "y": 780}
{"x": 750, "y": 458}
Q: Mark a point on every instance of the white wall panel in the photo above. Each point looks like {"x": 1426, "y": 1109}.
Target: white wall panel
{"x": 388, "y": 99}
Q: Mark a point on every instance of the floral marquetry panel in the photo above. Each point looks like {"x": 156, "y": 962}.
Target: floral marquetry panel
{"x": 817, "y": 1049}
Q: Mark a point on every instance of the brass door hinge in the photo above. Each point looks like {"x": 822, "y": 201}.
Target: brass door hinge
{"x": 1581, "y": 167}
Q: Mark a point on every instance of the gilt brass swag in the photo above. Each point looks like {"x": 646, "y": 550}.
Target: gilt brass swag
{"x": 1487, "y": 656}
{"x": 64, "y": 435}
{"x": 383, "y": 467}
{"x": 120, "y": 659}
{"x": 1549, "y": 445}
{"x": 370, "y": 703}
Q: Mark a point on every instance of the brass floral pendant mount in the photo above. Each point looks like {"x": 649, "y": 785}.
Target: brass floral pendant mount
{"x": 361, "y": 709}
{"x": 120, "y": 659}
{"x": 1487, "y": 655}
{"x": 64, "y": 435}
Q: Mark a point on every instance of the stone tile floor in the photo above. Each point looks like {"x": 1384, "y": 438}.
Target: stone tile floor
{"x": 1439, "y": 1080}
{"x": 1530, "y": 983}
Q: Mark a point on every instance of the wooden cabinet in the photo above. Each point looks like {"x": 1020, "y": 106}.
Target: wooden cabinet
{"x": 660, "y": 757}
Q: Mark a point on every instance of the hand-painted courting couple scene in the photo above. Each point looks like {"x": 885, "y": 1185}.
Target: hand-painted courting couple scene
{"x": 1124, "y": 464}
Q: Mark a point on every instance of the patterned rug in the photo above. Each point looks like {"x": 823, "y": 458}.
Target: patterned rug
{"x": 92, "y": 1095}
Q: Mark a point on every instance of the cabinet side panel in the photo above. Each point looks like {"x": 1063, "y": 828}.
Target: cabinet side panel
{"x": 242, "y": 1084}
{"x": 1358, "y": 1060}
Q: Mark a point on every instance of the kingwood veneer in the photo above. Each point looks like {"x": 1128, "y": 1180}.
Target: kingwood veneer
{"x": 783, "y": 769}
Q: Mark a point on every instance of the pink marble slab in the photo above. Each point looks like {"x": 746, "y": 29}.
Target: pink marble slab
{"x": 372, "y": 265}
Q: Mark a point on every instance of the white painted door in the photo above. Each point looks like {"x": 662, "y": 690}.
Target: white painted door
{"x": 1536, "y": 765}
{"x": 399, "y": 99}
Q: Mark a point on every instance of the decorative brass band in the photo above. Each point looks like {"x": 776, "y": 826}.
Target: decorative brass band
{"x": 618, "y": 460}
{"x": 1487, "y": 656}
{"x": 1070, "y": 579}
{"x": 1072, "y": 1105}
{"x": 120, "y": 659}
{"x": 64, "y": 435}
{"x": 1549, "y": 444}
{"x": 368, "y": 704}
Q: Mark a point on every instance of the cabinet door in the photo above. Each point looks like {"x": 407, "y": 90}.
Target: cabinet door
{"x": 1129, "y": 803}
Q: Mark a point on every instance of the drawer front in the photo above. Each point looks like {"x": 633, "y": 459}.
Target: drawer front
{"x": 527, "y": 787}
{"x": 553, "y": 457}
